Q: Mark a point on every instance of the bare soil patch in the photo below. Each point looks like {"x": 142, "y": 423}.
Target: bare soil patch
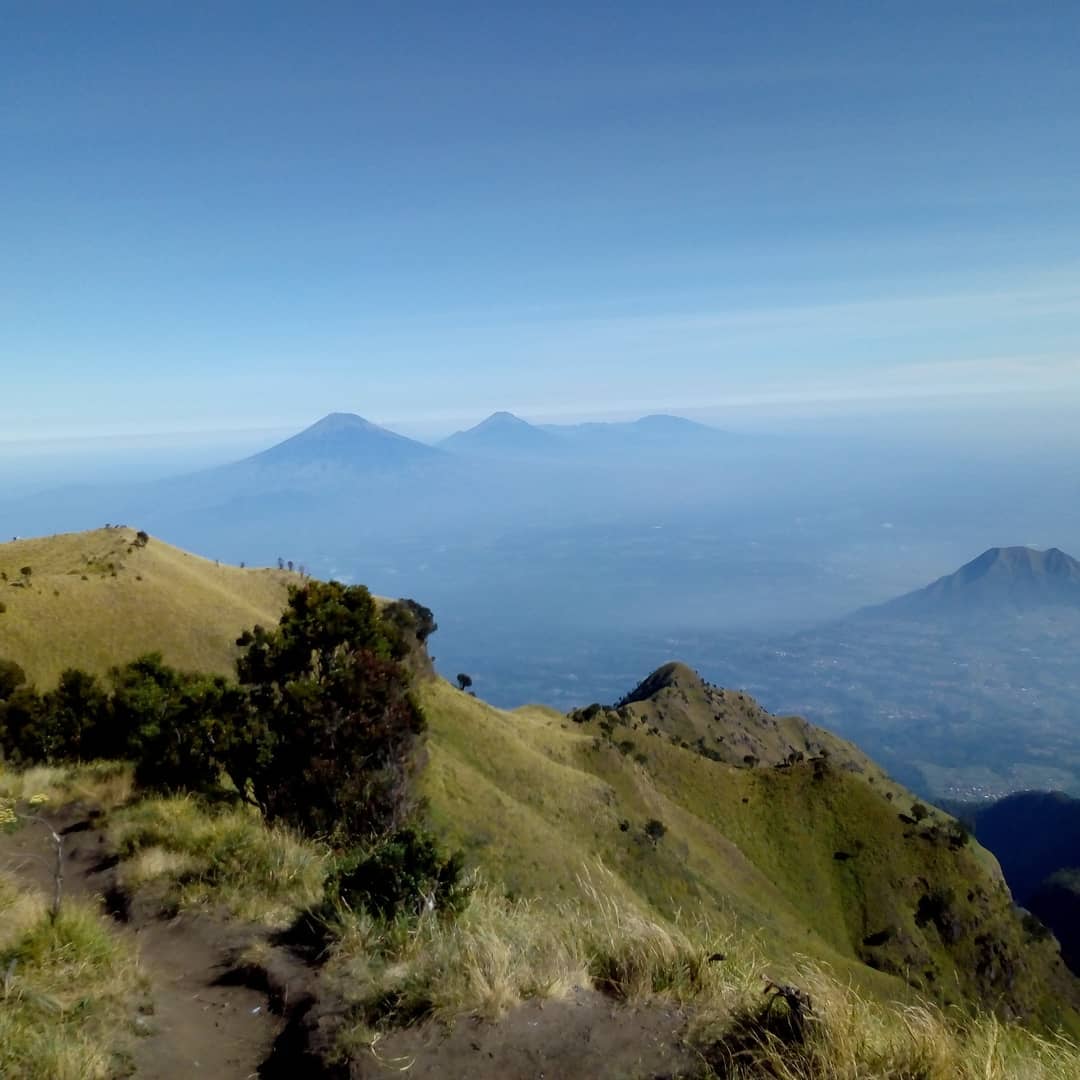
{"x": 204, "y": 1018}
{"x": 213, "y": 1015}
{"x": 586, "y": 1035}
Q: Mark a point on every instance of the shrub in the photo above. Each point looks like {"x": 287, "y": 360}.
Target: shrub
{"x": 411, "y": 617}
{"x": 405, "y": 873}
{"x": 21, "y": 724}
{"x": 11, "y": 678}
{"x": 655, "y": 830}
{"x": 174, "y": 725}
{"x": 327, "y": 742}
{"x": 76, "y": 713}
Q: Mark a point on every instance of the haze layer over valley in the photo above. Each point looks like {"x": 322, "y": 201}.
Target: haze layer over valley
{"x": 564, "y": 559}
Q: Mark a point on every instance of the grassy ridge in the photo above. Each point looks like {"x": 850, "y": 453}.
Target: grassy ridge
{"x": 818, "y": 857}
{"x": 814, "y": 862}
{"x": 96, "y": 599}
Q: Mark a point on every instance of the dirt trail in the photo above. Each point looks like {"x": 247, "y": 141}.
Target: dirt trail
{"x": 213, "y": 1019}
{"x": 584, "y": 1035}
{"x": 205, "y": 1022}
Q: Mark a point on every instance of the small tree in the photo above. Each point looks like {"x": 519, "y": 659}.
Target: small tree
{"x": 177, "y": 726}
{"x": 73, "y": 718}
{"x": 655, "y": 830}
{"x": 464, "y": 681}
{"x": 22, "y": 718}
{"x": 404, "y": 873}
{"x": 327, "y": 743}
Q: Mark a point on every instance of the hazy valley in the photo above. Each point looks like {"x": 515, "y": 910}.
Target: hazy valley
{"x": 564, "y": 561}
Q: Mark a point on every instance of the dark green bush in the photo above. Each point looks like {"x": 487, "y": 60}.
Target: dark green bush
{"x": 655, "y": 830}
{"x": 11, "y": 678}
{"x": 331, "y": 727}
{"x": 404, "y": 874}
{"x": 177, "y": 727}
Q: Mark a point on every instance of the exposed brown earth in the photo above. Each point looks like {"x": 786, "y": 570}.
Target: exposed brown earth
{"x": 582, "y": 1036}
{"x": 212, "y": 1015}
{"x": 203, "y": 1021}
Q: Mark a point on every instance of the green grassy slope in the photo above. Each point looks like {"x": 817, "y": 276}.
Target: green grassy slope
{"x": 813, "y": 857}
{"x": 96, "y": 599}
{"x": 813, "y": 853}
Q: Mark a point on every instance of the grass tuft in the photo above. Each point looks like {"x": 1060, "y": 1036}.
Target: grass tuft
{"x": 851, "y": 1037}
{"x": 500, "y": 952}
{"x": 103, "y": 784}
{"x": 207, "y": 856}
{"x": 69, "y": 990}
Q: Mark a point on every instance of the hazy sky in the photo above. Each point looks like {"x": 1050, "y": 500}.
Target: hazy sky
{"x": 231, "y": 215}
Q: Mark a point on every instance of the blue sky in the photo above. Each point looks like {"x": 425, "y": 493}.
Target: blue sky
{"x": 226, "y": 216}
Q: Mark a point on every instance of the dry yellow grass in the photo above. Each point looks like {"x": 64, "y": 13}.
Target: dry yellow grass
{"x": 225, "y": 857}
{"x": 850, "y": 1037}
{"x": 103, "y": 784}
{"x": 96, "y": 599}
{"x": 501, "y": 952}
{"x": 69, "y": 991}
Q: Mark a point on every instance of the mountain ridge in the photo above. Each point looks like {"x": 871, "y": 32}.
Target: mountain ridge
{"x": 820, "y": 852}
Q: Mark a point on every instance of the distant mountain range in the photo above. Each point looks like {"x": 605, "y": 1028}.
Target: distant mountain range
{"x": 505, "y": 435}
{"x": 657, "y": 430}
{"x": 1000, "y": 579}
{"x": 345, "y": 445}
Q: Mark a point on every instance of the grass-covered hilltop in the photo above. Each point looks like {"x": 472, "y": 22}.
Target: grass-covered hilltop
{"x": 243, "y": 824}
